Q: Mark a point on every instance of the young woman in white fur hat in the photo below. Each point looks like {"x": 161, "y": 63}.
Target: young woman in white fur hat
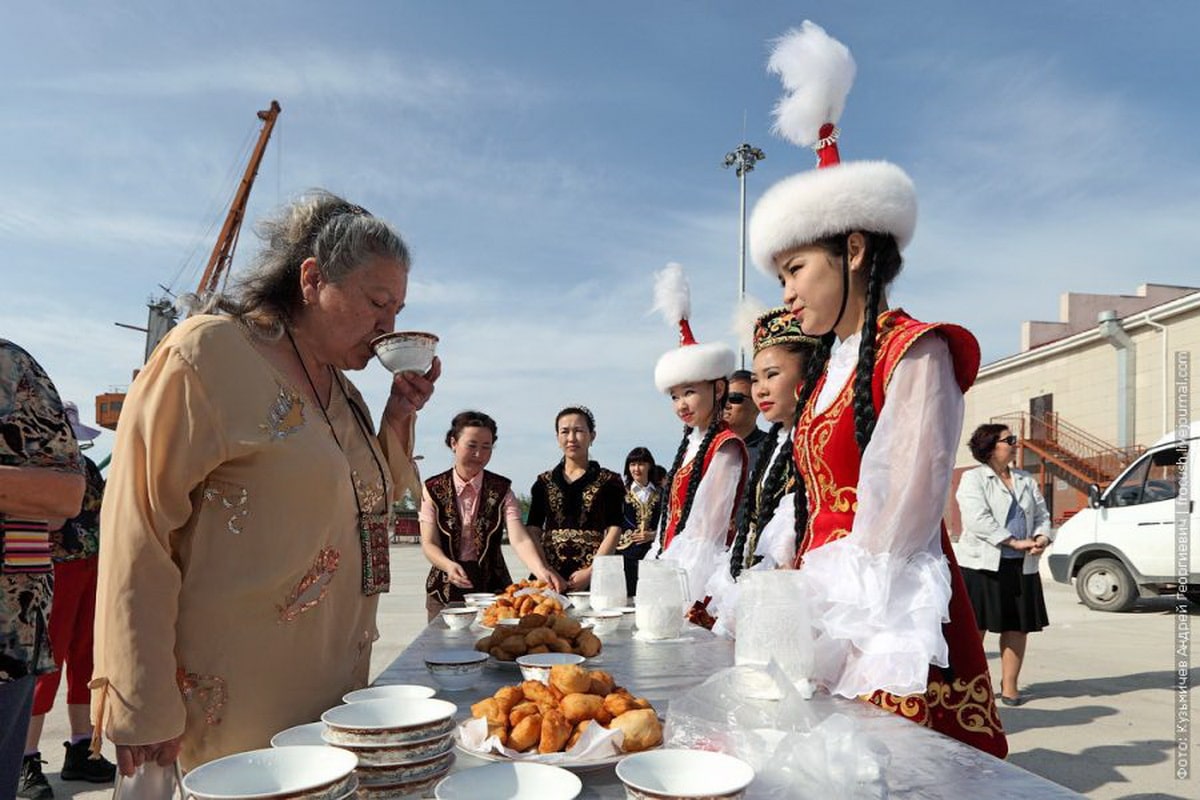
{"x": 879, "y": 417}
{"x": 705, "y": 482}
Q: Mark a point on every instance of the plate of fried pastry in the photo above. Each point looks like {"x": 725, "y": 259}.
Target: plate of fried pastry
{"x": 579, "y": 720}
{"x": 535, "y": 633}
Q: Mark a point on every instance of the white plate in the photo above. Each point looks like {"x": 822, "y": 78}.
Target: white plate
{"x": 394, "y": 690}
{"x": 308, "y": 734}
{"x": 510, "y": 781}
{"x": 576, "y": 765}
{"x": 274, "y": 772}
{"x": 685, "y": 773}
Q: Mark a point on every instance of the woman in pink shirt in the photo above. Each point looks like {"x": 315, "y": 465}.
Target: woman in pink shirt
{"x": 464, "y": 514}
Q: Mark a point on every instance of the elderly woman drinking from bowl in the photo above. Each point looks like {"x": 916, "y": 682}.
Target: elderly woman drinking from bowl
{"x": 246, "y": 518}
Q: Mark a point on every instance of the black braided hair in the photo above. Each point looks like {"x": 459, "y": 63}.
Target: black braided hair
{"x": 675, "y": 465}
{"x": 718, "y": 414}
{"x": 748, "y": 516}
{"x": 812, "y": 373}
{"x": 883, "y": 267}
{"x": 772, "y": 486}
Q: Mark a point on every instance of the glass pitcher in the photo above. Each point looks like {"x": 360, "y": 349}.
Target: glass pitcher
{"x": 662, "y": 599}
{"x": 608, "y": 583}
{"x": 773, "y": 622}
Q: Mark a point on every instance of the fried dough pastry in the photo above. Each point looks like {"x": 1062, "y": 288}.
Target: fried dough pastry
{"x": 578, "y": 707}
{"x": 570, "y": 678}
{"x": 526, "y": 733}
{"x": 555, "y": 732}
{"x": 507, "y": 697}
{"x": 641, "y": 728}
{"x": 602, "y": 683}
{"x": 587, "y": 644}
{"x": 542, "y": 694}
{"x": 579, "y": 729}
{"x": 523, "y": 710}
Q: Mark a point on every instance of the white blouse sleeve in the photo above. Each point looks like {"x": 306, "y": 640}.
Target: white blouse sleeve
{"x": 697, "y": 547}
{"x": 777, "y": 542}
{"x": 880, "y": 595}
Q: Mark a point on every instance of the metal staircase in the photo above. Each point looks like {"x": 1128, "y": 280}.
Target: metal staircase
{"x": 1069, "y": 452}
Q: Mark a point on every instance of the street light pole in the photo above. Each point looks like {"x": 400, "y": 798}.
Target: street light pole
{"x": 743, "y": 158}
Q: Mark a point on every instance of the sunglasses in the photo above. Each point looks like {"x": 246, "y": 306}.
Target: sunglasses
{"x": 736, "y": 398}
{"x": 1010, "y": 440}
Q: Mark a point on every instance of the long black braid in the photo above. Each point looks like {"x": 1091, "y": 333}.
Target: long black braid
{"x": 748, "y": 516}
{"x": 758, "y": 518}
{"x": 812, "y": 373}
{"x": 714, "y": 427}
{"x": 884, "y": 264}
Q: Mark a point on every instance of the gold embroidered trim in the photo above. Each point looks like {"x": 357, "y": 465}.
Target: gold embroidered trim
{"x": 231, "y": 498}
{"x": 207, "y": 690}
{"x": 313, "y": 587}
{"x": 285, "y": 416}
{"x": 370, "y": 494}
{"x": 971, "y": 702}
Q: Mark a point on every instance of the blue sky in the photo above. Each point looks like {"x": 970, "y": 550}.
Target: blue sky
{"x": 543, "y": 159}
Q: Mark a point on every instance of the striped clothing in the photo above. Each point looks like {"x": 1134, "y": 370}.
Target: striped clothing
{"x": 26, "y": 546}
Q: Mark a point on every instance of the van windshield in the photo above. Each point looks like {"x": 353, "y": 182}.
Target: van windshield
{"x": 1155, "y": 478}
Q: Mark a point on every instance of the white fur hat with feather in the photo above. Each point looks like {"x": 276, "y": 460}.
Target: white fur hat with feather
{"x": 817, "y": 72}
{"x": 690, "y": 361}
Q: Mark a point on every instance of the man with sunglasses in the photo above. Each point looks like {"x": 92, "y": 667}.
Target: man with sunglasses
{"x": 742, "y": 415}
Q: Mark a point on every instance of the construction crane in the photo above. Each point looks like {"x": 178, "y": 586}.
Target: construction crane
{"x": 162, "y": 311}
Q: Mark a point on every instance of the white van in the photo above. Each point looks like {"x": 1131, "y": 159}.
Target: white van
{"x": 1124, "y": 544}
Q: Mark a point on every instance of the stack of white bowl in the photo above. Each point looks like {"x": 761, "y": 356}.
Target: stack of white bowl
{"x": 403, "y": 744}
{"x": 295, "y": 773}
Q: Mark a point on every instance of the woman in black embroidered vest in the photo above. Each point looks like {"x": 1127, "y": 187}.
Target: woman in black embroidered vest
{"x": 641, "y": 510}
{"x": 575, "y": 510}
{"x": 464, "y": 514}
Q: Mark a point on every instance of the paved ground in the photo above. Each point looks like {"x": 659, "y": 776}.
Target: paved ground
{"x": 1099, "y": 717}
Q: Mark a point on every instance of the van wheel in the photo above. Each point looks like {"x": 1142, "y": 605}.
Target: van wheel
{"x": 1104, "y": 584}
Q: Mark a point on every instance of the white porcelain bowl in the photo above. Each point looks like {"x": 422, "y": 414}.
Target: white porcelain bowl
{"x": 536, "y": 667}
{"x": 510, "y": 781}
{"x": 387, "y": 755}
{"x": 406, "y": 351}
{"x": 293, "y": 772}
{"x": 479, "y": 599}
{"x": 680, "y": 774}
{"x": 581, "y": 601}
{"x": 603, "y": 623}
{"x": 307, "y": 734}
{"x": 394, "y": 691}
{"x": 388, "y": 721}
{"x": 456, "y": 670}
{"x": 395, "y": 791}
{"x": 408, "y": 772}
{"x": 459, "y": 619}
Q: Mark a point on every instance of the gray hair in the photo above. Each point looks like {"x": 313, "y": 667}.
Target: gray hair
{"x": 341, "y": 236}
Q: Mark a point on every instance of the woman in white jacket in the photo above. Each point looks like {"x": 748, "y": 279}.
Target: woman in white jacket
{"x": 1005, "y": 530}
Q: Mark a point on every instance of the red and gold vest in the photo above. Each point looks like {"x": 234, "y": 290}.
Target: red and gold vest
{"x": 683, "y": 479}
{"x": 487, "y": 528}
{"x": 958, "y": 701}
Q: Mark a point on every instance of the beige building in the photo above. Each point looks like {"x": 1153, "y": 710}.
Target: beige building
{"x": 1089, "y": 392}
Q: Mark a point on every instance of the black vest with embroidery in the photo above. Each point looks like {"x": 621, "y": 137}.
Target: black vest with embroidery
{"x": 487, "y": 529}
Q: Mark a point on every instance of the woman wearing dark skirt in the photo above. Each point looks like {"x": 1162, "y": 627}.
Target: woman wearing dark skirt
{"x": 1005, "y": 530}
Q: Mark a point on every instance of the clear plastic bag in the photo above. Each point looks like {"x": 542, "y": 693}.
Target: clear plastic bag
{"x": 756, "y": 714}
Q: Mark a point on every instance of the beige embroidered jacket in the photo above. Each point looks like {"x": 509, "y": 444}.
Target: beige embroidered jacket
{"x": 230, "y": 601}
